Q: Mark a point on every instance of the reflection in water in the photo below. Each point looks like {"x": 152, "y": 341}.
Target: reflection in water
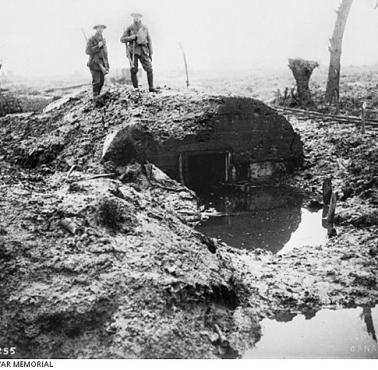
{"x": 271, "y": 219}
{"x": 329, "y": 334}
{"x": 327, "y": 224}
{"x": 368, "y": 318}
{"x": 260, "y": 229}
{"x": 309, "y": 232}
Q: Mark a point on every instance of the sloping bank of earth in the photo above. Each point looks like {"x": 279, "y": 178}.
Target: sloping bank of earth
{"x": 104, "y": 268}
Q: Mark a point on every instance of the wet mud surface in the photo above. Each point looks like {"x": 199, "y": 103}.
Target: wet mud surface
{"x": 113, "y": 267}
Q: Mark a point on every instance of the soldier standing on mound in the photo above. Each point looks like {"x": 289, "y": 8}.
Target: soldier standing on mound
{"x": 98, "y": 59}
{"x": 139, "y": 47}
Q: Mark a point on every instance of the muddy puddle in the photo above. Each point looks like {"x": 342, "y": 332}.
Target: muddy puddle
{"x": 272, "y": 219}
{"x": 346, "y": 333}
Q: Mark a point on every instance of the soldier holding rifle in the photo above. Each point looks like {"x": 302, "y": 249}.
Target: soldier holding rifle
{"x": 98, "y": 59}
{"x": 139, "y": 48}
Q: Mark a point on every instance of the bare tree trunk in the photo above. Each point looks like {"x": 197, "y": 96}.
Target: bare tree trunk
{"x": 333, "y": 83}
{"x": 302, "y": 71}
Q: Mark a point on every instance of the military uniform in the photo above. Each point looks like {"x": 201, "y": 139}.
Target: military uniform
{"x": 141, "y": 49}
{"x": 98, "y": 62}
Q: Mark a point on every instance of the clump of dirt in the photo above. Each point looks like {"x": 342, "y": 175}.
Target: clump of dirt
{"x": 110, "y": 214}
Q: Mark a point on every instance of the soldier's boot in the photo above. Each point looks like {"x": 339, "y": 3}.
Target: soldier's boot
{"x": 134, "y": 80}
{"x": 150, "y": 79}
{"x": 96, "y": 90}
{"x": 96, "y": 93}
{"x": 99, "y": 90}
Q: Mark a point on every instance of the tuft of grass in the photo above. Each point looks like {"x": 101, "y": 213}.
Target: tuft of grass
{"x": 109, "y": 214}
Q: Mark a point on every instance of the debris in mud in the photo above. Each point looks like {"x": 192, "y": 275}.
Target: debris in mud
{"x": 69, "y": 226}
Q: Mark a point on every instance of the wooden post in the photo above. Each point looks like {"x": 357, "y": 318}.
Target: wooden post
{"x": 227, "y": 170}
{"x": 278, "y": 97}
{"x": 181, "y": 170}
{"x": 363, "y": 116}
{"x": 286, "y": 93}
{"x": 186, "y": 65}
{"x": 332, "y": 209}
{"x": 327, "y": 190}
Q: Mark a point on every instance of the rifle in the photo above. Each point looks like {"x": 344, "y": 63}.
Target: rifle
{"x": 131, "y": 56}
{"x": 128, "y": 54}
{"x": 133, "y": 60}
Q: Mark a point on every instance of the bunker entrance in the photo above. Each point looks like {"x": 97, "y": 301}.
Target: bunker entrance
{"x": 202, "y": 171}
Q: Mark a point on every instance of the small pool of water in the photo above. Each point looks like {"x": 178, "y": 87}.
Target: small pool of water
{"x": 272, "y": 219}
{"x": 347, "y": 334}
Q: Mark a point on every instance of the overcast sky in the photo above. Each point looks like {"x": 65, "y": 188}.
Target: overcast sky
{"x": 43, "y": 37}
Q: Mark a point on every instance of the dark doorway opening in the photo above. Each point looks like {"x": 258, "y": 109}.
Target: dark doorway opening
{"x": 205, "y": 170}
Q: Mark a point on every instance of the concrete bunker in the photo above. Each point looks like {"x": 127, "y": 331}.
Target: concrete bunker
{"x": 210, "y": 140}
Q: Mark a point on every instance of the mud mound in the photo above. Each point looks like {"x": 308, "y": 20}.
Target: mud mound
{"x": 72, "y": 282}
{"x": 81, "y": 130}
{"x": 71, "y": 132}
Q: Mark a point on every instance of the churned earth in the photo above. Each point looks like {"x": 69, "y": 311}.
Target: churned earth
{"x": 97, "y": 263}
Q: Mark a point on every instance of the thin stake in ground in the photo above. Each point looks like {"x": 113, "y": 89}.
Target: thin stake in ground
{"x": 186, "y": 64}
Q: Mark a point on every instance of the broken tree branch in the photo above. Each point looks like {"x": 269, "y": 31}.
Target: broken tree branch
{"x": 70, "y": 171}
{"x": 102, "y": 175}
{"x": 222, "y": 337}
